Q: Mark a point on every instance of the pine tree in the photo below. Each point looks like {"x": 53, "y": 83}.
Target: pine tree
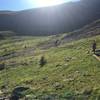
{"x": 42, "y": 61}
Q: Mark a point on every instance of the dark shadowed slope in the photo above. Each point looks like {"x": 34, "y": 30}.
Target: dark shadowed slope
{"x": 87, "y": 31}
{"x": 90, "y": 30}
{"x": 51, "y": 20}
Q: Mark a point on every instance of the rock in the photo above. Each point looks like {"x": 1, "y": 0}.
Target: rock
{"x": 65, "y": 80}
{"x": 88, "y": 52}
{"x": 58, "y": 65}
{"x": 4, "y": 98}
{"x": 1, "y": 92}
{"x": 17, "y": 93}
{"x": 87, "y": 91}
{"x": 77, "y": 72}
{"x": 45, "y": 78}
{"x": 68, "y": 80}
{"x": 58, "y": 86}
{"x": 67, "y": 59}
{"x": 74, "y": 58}
{"x": 32, "y": 97}
{"x": 65, "y": 64}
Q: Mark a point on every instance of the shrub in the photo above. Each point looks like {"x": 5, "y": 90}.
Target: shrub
{"x": 2, "y": 66}
{"x": 42, "y": 61}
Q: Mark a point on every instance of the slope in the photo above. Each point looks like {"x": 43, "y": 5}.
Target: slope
{"x": 85, "y": 32}
{"x": 71, "y": 71}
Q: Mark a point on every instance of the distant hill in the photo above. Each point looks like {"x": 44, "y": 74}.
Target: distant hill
{"x": 90, "y": 30}
{"x": 51, "y": 20}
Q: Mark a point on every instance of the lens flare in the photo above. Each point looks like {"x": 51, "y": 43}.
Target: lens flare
{"x": 45, "y": 3}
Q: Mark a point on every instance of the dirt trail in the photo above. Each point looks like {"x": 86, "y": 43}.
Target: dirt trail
{"x": 97, "y": 57}
{"x": 29, "y": 51}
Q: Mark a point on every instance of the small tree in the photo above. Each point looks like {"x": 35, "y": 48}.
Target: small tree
{"x": 94, "y": 46}
{"x": 2, "y": 66}
{"x": 57, "y": 43}
{"x": 42, "y": 61}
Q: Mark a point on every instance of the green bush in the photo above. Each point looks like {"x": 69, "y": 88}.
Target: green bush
{"x": 42, "y": 61}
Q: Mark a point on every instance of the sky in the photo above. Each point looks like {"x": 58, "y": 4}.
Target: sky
{"x": 16, "y": 5}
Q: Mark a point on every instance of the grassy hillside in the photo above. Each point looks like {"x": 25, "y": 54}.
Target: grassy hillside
{"x": 71, "y": 72}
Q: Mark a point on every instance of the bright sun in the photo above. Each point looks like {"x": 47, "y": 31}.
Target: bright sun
{"x": 44, "y": 3}
{"x": 48, "y": 2}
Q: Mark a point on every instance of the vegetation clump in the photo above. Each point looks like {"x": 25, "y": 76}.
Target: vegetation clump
{"x": 42, "y": 61}
{"x": 2, "y": 66}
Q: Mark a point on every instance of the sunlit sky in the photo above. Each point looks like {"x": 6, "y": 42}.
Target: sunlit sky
{"x": 27, "y": 4}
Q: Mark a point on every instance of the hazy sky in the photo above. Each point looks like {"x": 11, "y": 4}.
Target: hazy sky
{"x": 26, "y": 4}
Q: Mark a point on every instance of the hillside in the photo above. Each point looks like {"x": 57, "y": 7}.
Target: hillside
{"x": 51, "y": 20}
{"x": 71, "y": 72}
{"x": 90, "y": 30}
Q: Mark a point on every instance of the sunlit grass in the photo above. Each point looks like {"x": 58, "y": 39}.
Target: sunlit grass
{"x": 71, "y": 65}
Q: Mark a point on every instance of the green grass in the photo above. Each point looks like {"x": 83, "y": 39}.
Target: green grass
{"x": 70, "y": 66}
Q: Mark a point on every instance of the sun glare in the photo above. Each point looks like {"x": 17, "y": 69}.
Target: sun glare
{"x": 48, "y": 2}
{"x": 44, "y": 3}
